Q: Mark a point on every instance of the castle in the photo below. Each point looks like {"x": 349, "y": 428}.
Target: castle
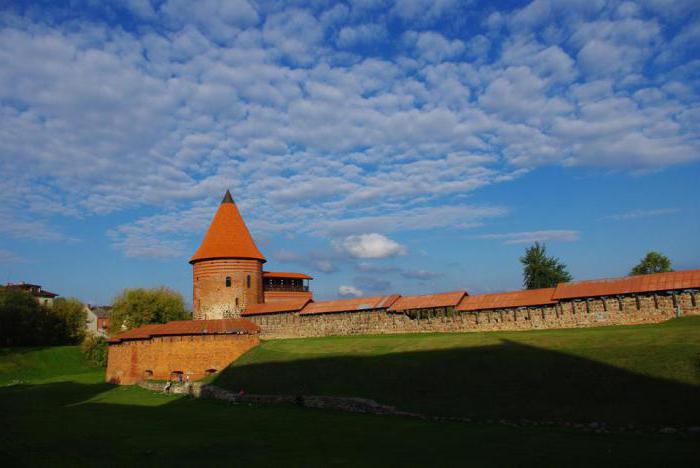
{"x": 236, "y": 302}
{"x": 229, "y": 282}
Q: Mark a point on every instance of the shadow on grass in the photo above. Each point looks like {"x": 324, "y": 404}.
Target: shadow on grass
{"x": 510, "y": 380}
{"x": 55, "y": 425}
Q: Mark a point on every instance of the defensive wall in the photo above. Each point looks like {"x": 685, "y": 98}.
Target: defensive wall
{"x": 623, "y": 301}
{"x": 187, "y": 348}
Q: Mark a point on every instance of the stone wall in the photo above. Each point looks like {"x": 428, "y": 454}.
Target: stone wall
{"x": 159, "y": 357}
{"x": 631, "y": 309}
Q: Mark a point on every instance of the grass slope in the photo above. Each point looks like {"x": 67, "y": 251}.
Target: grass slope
{"x": 646, "y": 374}
{"x": 62, "y": 414}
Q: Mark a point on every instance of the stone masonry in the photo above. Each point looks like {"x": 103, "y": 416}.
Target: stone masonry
{"x": 625, "y": 310}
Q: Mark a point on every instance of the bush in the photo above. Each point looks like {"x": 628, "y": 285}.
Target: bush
{"x": 135, "y": 307}
{"x": 94, "y": 348}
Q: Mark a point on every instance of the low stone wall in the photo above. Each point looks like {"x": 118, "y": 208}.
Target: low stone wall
{"x": 159, "y": 357}
{"x": 625, "y": 310}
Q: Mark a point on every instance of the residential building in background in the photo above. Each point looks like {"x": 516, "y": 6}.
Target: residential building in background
{"x": 44, "y": 297}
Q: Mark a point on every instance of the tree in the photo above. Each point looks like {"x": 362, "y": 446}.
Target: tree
{"x": 135, "y": 307}
{"x": 25, "y": 322}
{"x": 72, "y": 316}
{"x": 541, "y": 271}
{"x": 94, "y": 349}
{"x": 653, "y": 262}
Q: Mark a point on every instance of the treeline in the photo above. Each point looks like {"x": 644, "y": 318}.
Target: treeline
{"x": 25, "y": 322}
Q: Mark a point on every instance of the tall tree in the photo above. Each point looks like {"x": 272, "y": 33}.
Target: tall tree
{"x": 541, "y": 271}
{"x": 72, "y": 316}
{"x": 653, "y": 262}
{"x": 135, "y": 307}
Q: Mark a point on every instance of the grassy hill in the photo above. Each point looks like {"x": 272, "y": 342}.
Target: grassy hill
{"x": 647, "y": 374}
{"x": 57, "y": 411}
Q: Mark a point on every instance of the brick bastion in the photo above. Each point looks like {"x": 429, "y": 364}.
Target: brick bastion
{"x": 187, "y": 348}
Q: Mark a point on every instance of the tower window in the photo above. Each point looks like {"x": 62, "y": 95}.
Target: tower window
{"x": 247, "y": 281}
{"x": 236, "y": 302}
{"x": 228, "y": 281}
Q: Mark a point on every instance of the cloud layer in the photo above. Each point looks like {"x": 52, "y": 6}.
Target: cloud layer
{"x": 330, "y": 121}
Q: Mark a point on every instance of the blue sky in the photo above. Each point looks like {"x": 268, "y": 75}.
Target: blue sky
{"x": 409, "y": 146}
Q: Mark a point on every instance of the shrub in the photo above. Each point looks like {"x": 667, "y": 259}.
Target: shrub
{"x": 94, "y": 348}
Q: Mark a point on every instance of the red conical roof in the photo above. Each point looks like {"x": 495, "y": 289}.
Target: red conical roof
{"x": 228, "y": 236}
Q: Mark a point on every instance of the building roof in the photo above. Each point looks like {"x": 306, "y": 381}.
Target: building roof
{"x": 286, "y": 274}
{"x": 227, "y": 236}
{"x": 189, "y": 327}
{"x": 276, "y": 307}
{"x": 525, "y": 298}
{"x": 101, "y": 311}
{"x": 34, "y": 289}
{"x": 428, "y": 301}
{"x": 350, "y": 305}
{"x": 688, "y": 279}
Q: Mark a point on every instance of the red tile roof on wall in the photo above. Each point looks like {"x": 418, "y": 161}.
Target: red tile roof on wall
{"x": 189, "y": 327}
{"x": 687, "y": 279}
{"x": 525, "y": 298}
{"x": 276, "y": 307}
{"x": 286, "y": 274}
{"x": 350, "y": 305}
{"x": 428, "y": 301}
{"x": 227, "y": 236}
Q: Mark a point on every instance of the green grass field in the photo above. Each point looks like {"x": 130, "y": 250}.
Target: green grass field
{"x": 647, "y": 374}
{"x": 56, "y": 410}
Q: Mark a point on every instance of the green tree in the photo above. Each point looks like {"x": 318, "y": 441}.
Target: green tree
{"x": 24, "y": 322}
{"x": 653, "y": 262}
{"x": 541, "y": 271}
{"x": 135, "y": 307}
{"x": 94, "y": 348}
{"x": 72, "y": 317}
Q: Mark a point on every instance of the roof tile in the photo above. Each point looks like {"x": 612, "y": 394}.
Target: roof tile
{"x": 350, "y": 305}
{"x": 428, "y": 301}
{"x": 276, "y": 307}
{"x": 687, "y": 279}
{"x": 286, "y": 274}
{"x": 189, "y": 327}
{"x": 525, "y": 298}
{"x": 227, "y": 236}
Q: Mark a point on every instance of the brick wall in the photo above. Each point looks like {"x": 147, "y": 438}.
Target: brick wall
{"x": 158, "y": 357}
{"x": 212, "y": 299}
{"x": 648, "y": 308}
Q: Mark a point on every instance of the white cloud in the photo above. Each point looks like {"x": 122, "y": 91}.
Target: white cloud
{"x": 164, "y": 116}
{"x": 220, "y": 19}
{"x": 421, "y": 274}
{"x": 349, "y": 291}
{"x": 371, "y": 245}
{"x": 642, "y": 213}
{"x": 434, "y": 47}
{"x": 362, "y": 34}
{"x": 528, "y": 237}
{"x": 10, "y": 257}
{"x": 423, "y": 10}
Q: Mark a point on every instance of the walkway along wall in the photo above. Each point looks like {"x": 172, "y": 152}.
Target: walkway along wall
{"x": 586, "y": 312}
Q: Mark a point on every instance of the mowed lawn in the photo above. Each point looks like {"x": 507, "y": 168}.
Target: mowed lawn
{"x": 644, "y": 375}
{"x": 56, "y": 411}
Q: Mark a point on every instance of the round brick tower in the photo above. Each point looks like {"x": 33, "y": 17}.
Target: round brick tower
{"x": 227, "y": 267}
